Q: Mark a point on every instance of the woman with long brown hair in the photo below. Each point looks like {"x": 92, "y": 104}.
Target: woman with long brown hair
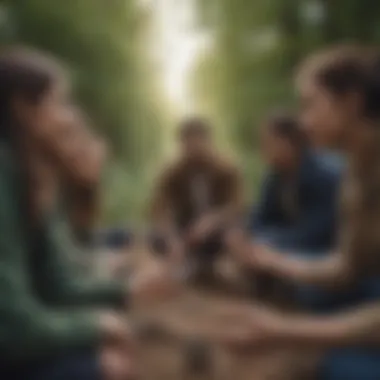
{"x": 50, "y": 326}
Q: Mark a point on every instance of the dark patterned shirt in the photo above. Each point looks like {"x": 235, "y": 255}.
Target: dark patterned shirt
{"x": 186, "y": 190}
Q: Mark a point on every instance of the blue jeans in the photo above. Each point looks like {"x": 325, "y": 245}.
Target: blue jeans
{"x": 351, "y": 364}
{"x": 347, "y": 363}
{"x": 83, "y": 366}
{"x": 355, "y": 363}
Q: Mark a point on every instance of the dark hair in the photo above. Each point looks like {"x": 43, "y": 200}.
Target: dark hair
{"x": 24, "y": 73}
{"x": 194, "y": 126}
{"x": 346, "y": 69}
{"x": 286, "y": 126}
{"x": 28, "y": 75}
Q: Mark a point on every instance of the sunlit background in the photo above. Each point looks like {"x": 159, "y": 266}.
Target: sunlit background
{"x": 177, "y": 43}
{"x": 139, "y": 66}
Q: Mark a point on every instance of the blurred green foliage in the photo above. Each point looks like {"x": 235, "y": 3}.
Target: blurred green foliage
{"x": 246, "y": 72}
{"x": 102, "y": 43}
{"x": 256, "y": 46}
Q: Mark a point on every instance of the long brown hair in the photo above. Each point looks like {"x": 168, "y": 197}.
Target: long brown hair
{"x": 28, "y": 75}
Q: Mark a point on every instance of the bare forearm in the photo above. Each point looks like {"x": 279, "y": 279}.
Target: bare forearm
{"x": 327, "y": 271}
{"x": 359, "y": 327}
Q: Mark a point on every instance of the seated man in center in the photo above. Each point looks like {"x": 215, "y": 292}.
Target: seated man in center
{"x": 196, "y": 198}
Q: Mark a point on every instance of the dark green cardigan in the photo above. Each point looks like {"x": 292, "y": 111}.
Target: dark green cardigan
{"x": 46, "y": 309}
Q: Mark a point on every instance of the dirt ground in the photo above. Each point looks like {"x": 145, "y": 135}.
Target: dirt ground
{"x": 166, "y": 355}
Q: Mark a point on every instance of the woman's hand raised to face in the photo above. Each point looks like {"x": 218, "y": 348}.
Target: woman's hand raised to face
{"x": 82, "y": 158}
{"x": 77, "y": 152}
{"x": 87, "y": 159}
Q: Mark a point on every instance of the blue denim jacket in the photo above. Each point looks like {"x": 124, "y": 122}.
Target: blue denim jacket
{"x": 317, "y": 193}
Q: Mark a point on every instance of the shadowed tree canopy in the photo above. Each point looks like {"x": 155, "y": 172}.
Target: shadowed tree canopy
{"x": 248, "y": 70}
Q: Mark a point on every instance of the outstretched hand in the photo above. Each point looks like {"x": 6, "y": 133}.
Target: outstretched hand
{"x": 251, "y": 328}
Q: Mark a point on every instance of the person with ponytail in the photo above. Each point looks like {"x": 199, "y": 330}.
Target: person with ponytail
{"x": 340, "y": 105}
{"x": 50, "y": 323}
